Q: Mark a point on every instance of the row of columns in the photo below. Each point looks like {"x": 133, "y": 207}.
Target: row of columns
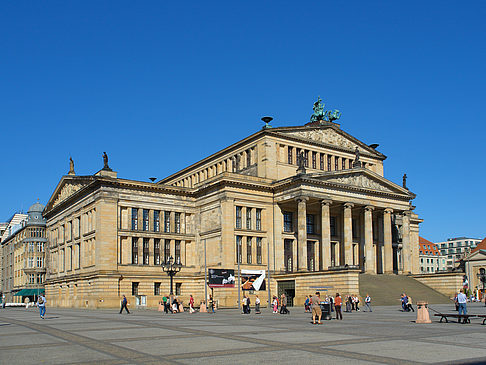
{"x": 346, "y": 244}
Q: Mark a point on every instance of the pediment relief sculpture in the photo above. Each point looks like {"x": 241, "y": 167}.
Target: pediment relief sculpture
{"x": 359, "y": 181}
{"x": 328, "y": 136}
{"x": 66, "y": 191}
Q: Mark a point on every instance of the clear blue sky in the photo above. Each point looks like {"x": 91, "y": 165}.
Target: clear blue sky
{"x": 158, "y": 86}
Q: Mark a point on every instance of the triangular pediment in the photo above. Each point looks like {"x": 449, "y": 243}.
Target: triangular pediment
{"x": 67, "y": 187}
{"x": 363, "y": 179}
{"x": 329, "y": 136}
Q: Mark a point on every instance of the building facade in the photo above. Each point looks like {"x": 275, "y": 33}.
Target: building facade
{"x": 23, "y": 257}
{"x": 431, "y": 260}
{"x": 475, "y": 268}
{"x": 456, "y": 249}
{"x": 308, "y": 205}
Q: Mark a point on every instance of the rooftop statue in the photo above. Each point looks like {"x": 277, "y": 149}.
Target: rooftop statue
{"x": 318, "y": 111}
{"x": 71, "y": 166}
{"x": 333, "y": 115}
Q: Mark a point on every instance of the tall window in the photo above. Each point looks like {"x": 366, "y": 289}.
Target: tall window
{"x": 310, "y": 256}
{"x": 248, "y": 157}
{"x": 314, "y": 160}
{"x": 238, "y": 217}
{"x": 166, "y": 222}
{"x": 310, "y": 224}
{"x": 336, "y": 162}
{"x": 290, "y": 157}
{"x": 332, "y": 224}
{"x": 259, "y": 250}
{"x": 166, "y": 250}
{"x": 238, "y": 248}
{"x": 288, "y": 255}
{"x": 157, "y": 251}
{"x": 321, "y": 162}
{"x": 145, "y": 219}
{"x": 31, "y": 246}
{"x": 177, "y": 220}
{"x": 344, "y": 164}
{"x": 328, "y": 162}
{"x": 306, "y": 158}
{"x": 258, "y": 219}
{"x": 156, "y": 220}
{"x": 134, "y": 219}
{"x": 248, "y": 218}
{"x": 177, "y": 252}
{"x": 134, "y": 250}
{"x": 146, "y": 243}
{"x": 134, "y": 288}
{"x": 288, "y": 226}
{"x": 156, "y": 288}
{"x": 40, "y": 246}
{"x": 248, "y": 250}
{"x": 40, "y": 262}
{"x": 31, "y": 278}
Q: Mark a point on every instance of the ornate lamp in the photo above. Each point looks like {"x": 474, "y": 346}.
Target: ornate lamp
{"x": 171, "y": 268}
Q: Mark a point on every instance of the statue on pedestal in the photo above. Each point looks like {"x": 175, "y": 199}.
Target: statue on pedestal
{"x": 71, "y": 167}
{"x": 105, "y": 162}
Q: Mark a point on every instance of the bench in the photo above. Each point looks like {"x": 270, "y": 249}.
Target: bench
{"x": 483, "y": 316}
{"x": 466, "y": 317}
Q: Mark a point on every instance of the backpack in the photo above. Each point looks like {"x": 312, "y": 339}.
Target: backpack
{"x": 41, "y": 300}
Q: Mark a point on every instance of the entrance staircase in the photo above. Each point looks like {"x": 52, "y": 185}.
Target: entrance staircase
{"x": 386, "y": 290}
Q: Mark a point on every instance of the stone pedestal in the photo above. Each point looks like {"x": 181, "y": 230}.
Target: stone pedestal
{"x": 422, "y": 313}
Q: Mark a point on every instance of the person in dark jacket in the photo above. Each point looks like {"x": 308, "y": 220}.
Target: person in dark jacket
{"x": 124, "y": 303}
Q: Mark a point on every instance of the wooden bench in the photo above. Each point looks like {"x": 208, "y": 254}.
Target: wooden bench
{"x": 466, "y": 317}
{"x": 483, "y": 316}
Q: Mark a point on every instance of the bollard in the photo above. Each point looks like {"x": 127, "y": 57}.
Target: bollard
{"x": 202, "y": 308}
{"x": 422, "y": 313}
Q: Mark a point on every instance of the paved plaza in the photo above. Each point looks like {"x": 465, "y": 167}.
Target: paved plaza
{"x": 385, "y": 336}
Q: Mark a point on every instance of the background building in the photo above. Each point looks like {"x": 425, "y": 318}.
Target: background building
{"x": 456, "y": 249}
{"x": 475, "y": 267}
{"x": 307, "y": 205}
{"x": 431, "y": 259}
{"x": 23, "y": 256}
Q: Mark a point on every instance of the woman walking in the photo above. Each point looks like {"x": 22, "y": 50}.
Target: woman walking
{"x": 337, "y": 305}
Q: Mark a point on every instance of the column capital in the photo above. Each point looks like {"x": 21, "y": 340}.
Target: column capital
{"x": 388, "y": 211}
{"x": 301, "y": 199}
{"x": 368, "y": 208}
{"x": 348, "y": 205}
{"x": 326, "y": 202}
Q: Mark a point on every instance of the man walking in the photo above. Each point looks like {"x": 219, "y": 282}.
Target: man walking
{"x": 462, "y": 300}
{"x": 338, "y": 302}
{"x": 41, "y": 304}
{"x": 124, "y": 303}
{"x": 283, "y": 305}
{"x": 368, "y": 302}
{"x": 316, "y": 308}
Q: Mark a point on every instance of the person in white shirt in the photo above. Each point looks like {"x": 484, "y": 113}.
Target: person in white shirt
{"x": 462, "y": 301}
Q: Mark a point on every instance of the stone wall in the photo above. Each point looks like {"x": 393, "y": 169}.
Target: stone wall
{"x": 448, "y": 283}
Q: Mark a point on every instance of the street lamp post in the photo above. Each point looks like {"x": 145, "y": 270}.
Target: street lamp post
{"x": 171, "y": 268}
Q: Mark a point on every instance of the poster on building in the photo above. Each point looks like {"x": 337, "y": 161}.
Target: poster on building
{"x": 221, "y": 278}
{"x": 253, "y": 279}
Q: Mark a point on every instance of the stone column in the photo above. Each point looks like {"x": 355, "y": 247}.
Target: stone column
{"x": 387, "y": 242}
{"x": 325, "y": 235}
{"x": 368, "y": 240}
{"x": 348, "y": 233}
{"x": 406, "y": 249}
{"x": 301, "y": 234}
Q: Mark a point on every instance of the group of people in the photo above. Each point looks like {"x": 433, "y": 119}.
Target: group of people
{"x": 282, "y": 303}
{"x": 406, "y": 301}
{"x": 352, "y": 303}
{"x": 246, "y": 304}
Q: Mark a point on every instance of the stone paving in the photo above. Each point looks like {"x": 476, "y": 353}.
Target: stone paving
{"x": 385, "y": 336}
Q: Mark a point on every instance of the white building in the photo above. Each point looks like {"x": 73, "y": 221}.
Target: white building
{"x": 431, "y": 259}
{"x": 456, "y": 249}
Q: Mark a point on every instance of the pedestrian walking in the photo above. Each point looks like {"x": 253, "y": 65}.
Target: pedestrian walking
{"x": 462, "y": 301}
{"x": 283, "y": 305}
{"x": 211, "y": 303}
{"x": 166, "y": 306}
{"x": 41, "y": 304}
{"x": 27, "y": 302}
{"x": 257, "y": 305}
{"x": 275, "y": 304}
{"x": 348, "y": 303}
{"x": 307, "y": 304}
{"x": 316, "y": 308}
{"x": 191, "y": 304}
{"x": 356, "y": 303}
{"x": 337, "y": 305}
{"x": 368, "y": 302}
{"x": 124, "y": 303}
{"x": 409, "y": 303}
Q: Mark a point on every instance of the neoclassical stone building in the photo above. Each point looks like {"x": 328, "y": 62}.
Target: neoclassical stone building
{"x": 307, "y": 204}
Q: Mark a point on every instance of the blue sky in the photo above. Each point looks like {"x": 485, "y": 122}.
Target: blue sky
{"x": 160, "y": 85}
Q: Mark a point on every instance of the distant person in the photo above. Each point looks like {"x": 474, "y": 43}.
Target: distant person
{"x": 275, "y": 304}
{"x": 368, "y": 303}
{"x": 27, "y": 302}
{"x": 409, "y": 303}
{"x": 338, "y": 302}
{"x": 283, "y": 305}
{"x": 257, "y": 305}
{"x": 191, "y": 304}
{"x": 307, "y": 304}
{"x": 41, "y": 304}
{"x": 462, "y": 301}
{"x": 211, "y": 303}
{"x": 124, "y": 303}
{"x": 316, "y": 308}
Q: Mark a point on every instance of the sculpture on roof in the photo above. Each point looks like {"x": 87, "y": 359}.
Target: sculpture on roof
{"x": 404, "y": 181}
{"x": 356, "y": 162}
{"x": 105, "y": 161}
{"x": 71, "y": 166}
{"x": 321, "y": 115}
{"x": 301, "y": 163}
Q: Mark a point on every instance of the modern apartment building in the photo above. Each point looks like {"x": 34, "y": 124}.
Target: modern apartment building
{"x": 456, "y": 249}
